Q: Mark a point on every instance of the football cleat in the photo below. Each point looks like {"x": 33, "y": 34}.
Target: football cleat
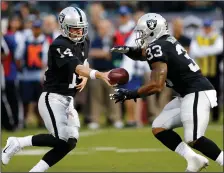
{"x": 11, "y": 148}
{"x": 197, "y": 163}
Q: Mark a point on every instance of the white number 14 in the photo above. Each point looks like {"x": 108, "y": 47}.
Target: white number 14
{"x": 66, "y": 52}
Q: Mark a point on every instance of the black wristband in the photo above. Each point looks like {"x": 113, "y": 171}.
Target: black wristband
{"x": 134, "y": 94}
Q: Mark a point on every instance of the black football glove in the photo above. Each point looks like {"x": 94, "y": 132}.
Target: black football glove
{"x": 120, "y": 49}
{"x": 121, "y": 95}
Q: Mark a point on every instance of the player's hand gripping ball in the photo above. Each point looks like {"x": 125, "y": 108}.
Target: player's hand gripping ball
{"x": 118, "y": 76}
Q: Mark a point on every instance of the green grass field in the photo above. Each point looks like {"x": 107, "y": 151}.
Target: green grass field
{"x": 112, "y": 150}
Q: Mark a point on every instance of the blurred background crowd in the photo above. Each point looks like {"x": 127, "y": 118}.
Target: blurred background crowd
{"x": 28, "y": 28}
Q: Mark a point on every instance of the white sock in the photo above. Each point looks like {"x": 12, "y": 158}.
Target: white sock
{"x": 41, "y": 166}
{"x": 219, "y": 159}
{"x": 25, "y": 141}
{"x": 184, "y": 150}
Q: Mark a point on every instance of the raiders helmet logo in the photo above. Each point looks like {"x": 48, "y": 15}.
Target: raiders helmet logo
{"x": 61, "y": 17}
{"x": 151, "y": 24}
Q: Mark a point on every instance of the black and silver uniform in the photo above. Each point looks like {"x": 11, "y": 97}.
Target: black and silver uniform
{"x": 63, "y": 57}
{"x": 184, "y": 75}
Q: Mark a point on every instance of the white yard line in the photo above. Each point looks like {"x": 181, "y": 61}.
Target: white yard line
{"x": 33, "y": 152}
{"x": 90, "y": 133}
{"x": 137, "y": 150}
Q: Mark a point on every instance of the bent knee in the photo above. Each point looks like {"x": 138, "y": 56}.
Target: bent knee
{"x": 190, "y": 141}
{"x": 157, "y": 130}
{"x": 66, "y": 146}
{"x": 72, "y": 143}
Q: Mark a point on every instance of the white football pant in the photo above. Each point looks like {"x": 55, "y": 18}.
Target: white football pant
{"x": 190, "y": 112}
{"x": 59, "y": 115}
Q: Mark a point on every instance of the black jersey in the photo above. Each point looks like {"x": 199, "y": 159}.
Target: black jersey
{"x": 183, "y": 75}
{"x": 63, "y": 57}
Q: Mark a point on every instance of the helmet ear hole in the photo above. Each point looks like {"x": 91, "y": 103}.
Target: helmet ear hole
{"x": 152, "y": 34}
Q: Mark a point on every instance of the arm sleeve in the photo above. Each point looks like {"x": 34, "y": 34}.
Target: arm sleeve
{"x": 134, "y": 53}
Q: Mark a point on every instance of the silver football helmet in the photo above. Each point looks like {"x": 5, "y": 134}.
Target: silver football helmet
{"x": 73, "y": 17}
{"x": 149, "y": 28}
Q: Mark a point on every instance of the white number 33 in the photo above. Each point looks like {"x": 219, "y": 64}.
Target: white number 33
{"x": 158, "y": 52}
{"x": 66, "y": 52}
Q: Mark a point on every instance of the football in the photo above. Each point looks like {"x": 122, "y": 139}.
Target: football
{"x": 118, "y": 76}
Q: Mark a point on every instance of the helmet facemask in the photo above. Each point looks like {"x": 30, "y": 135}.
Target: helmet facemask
{"x": 140, "y": 36}
{"x": 143, "y": 38}
{"x": 75, "y": 37}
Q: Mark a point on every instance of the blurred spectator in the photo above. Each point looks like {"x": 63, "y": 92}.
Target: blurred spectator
{"x": 126, "y": 25}
{"x": 34, "y": 63}
{"x": 7, "y": 118}
{"x": 177, "y": 26}
{"x": 28, "y": 22}
{"x": 207, "y": 49}
{"x": 50, "y": 27}
{"x": 199, "y": 5}
{"x": 15, "y": 24}
{"x": 136, "y": 70}
{"x": 110, "y": 5}
{"x": 191, "y": 25}
{"x": 129, "y": 4}
{"x": 24, "y": 9}
{"x": 13, "y": 38}
{"x": 161, "y": 6}
{"x": 96, "y": 13}
{"x": 101, "y": 60}
{"x": 5, "y": 8}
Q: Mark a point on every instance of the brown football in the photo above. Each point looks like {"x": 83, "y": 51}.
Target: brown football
{"x": 118, "y": 76}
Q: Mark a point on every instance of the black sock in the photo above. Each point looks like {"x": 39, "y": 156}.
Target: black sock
{"x": 207, "y": 147}
{"x": 55, "y": 155}
{"x": 60, "y": 151}
{"x": 169, "y": 138}
{"x": 44, "y": 140}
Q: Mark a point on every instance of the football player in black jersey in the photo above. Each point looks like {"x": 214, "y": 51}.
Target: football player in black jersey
{"x": 171, "y": 64}
{"x": 66, "y": 63}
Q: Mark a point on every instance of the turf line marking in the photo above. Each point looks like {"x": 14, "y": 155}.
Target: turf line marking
{"x": 90, "y": 133}
{"x": 33, "y": 152}
{"x": 136, "y": 150}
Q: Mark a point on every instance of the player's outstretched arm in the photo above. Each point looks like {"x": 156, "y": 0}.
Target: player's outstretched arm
{"x": 157, "y": 82}
{"x": 91, "y": 73}
{"x": 134, "y": 53}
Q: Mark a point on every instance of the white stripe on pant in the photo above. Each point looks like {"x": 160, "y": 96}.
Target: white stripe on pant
{"x": 190, "y": 112}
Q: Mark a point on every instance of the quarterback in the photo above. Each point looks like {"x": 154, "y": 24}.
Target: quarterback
{"x": 67, "y": 73}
